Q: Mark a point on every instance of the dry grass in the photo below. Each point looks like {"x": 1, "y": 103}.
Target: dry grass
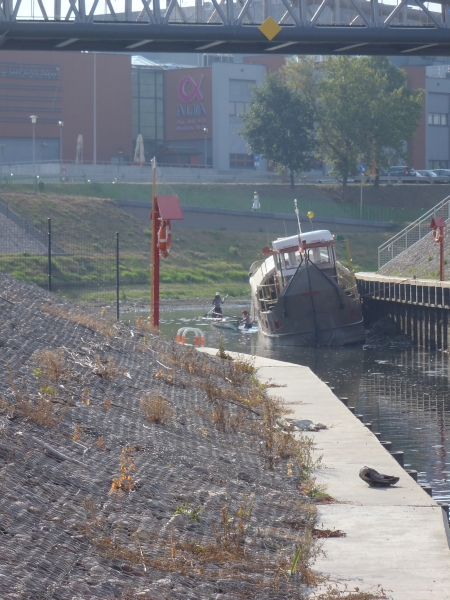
{"x": 94, "y": 323}
{"x": 49, "y": 365}
{"x": 146, "y": 326}
{"x": 106, "y": 371}
{"x": 156, "y": 408}
{"x": 189, "y": 558}
{"x": 43, "y": 410}
{"x": 334, "y": 593}
{"x": 124, "y": 482}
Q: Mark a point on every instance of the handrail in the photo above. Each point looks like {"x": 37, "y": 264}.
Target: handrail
{"x": 411, "y": 234}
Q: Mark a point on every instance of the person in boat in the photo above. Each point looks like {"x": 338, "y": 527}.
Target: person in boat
{"x": 217, "y": 302}
{"x": 246, "y": 320}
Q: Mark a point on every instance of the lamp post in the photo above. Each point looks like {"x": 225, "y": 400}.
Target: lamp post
{"x": 205, "y": 131}
{"x": 2, "y": 146}
{"x": 33, "y": 123}
{"x": 119, "y": 160}
{"x": 61, "y": 125}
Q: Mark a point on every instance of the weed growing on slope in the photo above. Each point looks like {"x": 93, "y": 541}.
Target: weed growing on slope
{"x": 41, "y": 410}
{"x": 124, "y": 482}
{"x": 106, "y": 371}
{"x": 192, "y": 512}
{"x": 156, "y": 408}
{"x": 94, "y": 323}
{"x": 49, "y": 365}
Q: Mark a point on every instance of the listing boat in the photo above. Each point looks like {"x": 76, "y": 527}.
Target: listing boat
{"x": 301, "y": 294}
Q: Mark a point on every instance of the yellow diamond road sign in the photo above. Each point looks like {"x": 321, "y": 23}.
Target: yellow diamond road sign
{"x": 270, "y": 28}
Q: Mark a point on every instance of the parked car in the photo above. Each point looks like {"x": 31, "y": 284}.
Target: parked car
{"x": 428, "y": 176}
{"x": 403, "y": 174}
{"x": 443, "y": 175}
{"x": 402, "y": 171}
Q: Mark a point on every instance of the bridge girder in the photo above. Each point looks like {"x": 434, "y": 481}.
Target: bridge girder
{"x": 228, "y": 26}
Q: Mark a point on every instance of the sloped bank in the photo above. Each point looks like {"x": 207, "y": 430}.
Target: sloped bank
{"x": 131, "y": 467}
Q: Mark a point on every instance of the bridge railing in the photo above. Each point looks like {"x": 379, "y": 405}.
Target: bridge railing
{"x": 411, "y": 234}
{"x": 287, "y": 13}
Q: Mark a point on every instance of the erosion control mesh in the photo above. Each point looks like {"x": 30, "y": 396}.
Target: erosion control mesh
{"x": 100, "y": 500}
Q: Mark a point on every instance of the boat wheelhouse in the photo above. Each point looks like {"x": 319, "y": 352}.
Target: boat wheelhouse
{"x": 302, "y": 295}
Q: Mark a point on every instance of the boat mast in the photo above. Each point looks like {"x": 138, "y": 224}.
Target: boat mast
{"x": 298, "y": 221}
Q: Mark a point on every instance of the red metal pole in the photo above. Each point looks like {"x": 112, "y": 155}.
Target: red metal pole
{"x": 441, "y": 254}
{"x": 155, "y": 281}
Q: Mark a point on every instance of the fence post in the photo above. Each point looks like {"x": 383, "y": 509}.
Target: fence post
{"x": 49, "y": 253}
{"x": 117, "y": 275}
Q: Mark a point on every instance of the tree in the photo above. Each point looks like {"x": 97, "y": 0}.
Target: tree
{"x": 361, "y": 108}
{"x": 279, "y": 125}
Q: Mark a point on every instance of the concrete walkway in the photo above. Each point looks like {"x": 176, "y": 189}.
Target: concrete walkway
{"x": 397, "y": 536}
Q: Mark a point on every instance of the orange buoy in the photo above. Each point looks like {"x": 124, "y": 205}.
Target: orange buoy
{"x": 164, "y": 239}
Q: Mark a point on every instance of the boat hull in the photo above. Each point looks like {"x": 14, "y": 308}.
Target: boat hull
{"x": 312, "y": 310}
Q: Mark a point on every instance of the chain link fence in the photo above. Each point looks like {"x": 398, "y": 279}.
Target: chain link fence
{"x": 75, "y": 268}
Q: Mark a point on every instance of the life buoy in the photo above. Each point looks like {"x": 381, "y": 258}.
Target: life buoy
{"x": 437, "y": 235}
{"x": 164, "y": 239}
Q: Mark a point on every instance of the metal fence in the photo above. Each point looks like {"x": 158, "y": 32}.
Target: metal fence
{"x": 203, "y": 196}
{"x": 75, "y": 268}
{"x": 412, "y": 233}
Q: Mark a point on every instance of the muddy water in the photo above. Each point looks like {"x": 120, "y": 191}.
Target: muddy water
{"x": 403, "y": 391}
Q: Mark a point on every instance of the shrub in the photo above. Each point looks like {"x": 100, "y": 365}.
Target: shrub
{"x": 156, "y": 408}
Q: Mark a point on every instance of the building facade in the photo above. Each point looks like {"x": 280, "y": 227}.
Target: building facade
{"x": 82, "y": 91}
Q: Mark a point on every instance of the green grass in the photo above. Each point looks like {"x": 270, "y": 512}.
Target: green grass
{"x": 201, "y": 261}
{"x": 324, "y": 201}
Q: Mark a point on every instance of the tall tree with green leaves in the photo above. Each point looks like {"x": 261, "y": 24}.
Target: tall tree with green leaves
{"x": 362, "y": 109}
{"x": 279, "y": 126}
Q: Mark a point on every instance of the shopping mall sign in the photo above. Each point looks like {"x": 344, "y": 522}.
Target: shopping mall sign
{"x": 188, "y": 103}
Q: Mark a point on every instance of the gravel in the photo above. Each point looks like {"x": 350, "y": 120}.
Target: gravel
{"x": 63, "y": 534}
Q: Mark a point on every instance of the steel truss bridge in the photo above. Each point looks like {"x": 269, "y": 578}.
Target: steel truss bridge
{"x": 376, "y": 27}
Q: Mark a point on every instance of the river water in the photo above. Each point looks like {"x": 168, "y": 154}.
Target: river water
{"x": 404, "y": 391}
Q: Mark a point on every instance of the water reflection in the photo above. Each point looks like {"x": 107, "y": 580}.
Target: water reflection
{"x": 404, "y": 392}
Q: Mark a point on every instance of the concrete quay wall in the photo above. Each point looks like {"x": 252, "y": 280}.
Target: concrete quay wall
{"x": 397, "y": 537}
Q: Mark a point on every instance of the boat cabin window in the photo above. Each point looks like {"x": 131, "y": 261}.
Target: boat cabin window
{"x": 291, "y": 259}
{"x": 320, "y": 256}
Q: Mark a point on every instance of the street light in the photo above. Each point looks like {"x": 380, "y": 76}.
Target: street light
{"x": 205, "y": 131}
{"x": 33, "y": 123}
{"x": 2, "y": 146}
{"x": 61, "y": 125}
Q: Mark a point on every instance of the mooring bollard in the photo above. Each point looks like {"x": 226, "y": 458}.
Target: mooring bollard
{"x": 412, "y": 473}
{"x": 344, "y": 400}
{"x": 352, "y": 409}
{"x": 369, "y": 426}
{"x": 377, "y": 434}
{"x": 360, "y": 417}
{"x": 399, "y": 456}
{"x": 386, "y": 444}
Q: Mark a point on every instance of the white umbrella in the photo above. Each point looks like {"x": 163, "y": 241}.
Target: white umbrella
{"x": 79, "y": 158}
{"x": 139, "y": 157}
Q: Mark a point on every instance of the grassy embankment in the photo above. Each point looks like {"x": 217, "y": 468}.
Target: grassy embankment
{"x": 201, "y": 261}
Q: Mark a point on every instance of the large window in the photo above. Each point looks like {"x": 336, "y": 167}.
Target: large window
{"x": 439, "y": 119}
{"x": 438, "y": 164}
{"x": 237, "y": 108}
{"x": 242, "y": 161}
{"x": 148, "y": 109}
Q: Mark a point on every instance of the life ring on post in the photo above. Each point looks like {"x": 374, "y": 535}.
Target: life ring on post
{"x": 437, "y": 235}
{"x": 164, "y": 239}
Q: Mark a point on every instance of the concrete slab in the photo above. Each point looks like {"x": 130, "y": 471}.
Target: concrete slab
{"x": 396, "y": 537}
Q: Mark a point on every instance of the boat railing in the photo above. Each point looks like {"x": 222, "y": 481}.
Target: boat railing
{"x": 346, "y": 276}
{"x": 265, "y": 296}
